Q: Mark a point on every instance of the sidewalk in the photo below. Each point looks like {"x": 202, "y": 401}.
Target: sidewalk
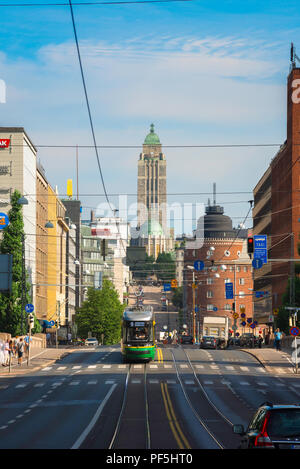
{"x": 272, "y": 360}
{"x": 38, "y": 359}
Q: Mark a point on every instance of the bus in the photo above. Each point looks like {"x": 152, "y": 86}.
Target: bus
{"x": 138, "y": 334}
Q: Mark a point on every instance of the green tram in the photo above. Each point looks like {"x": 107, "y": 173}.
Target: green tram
{"x": 138, "y": 334}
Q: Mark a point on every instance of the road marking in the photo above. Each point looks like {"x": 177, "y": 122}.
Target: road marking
{"x": 39, "y": 385}
{"x": 92, "y": 382}
{"x": 76, "y": 367}
{"x": 214, "y": 367}
{"x": 74, "y": 383}
{"x": 199, "y": 366}
{"x": 244, "y": 383}
{"x": 183, "y": 366}
{"x": 135, "y": 381}
{"x": 208, "y": 382}
{"x": 261, "y": 384}
{"x": 138, "y": 366}
{"x": 225, "y": 382}
{"x": 153, "y": 366}
{"x": 189, "y": 381}
{"x": 47, "y": 368}
{"x": 173, "y": 422}
{"x": 106, "y": 366}
{"x": 244, "y": 368}
{"x": 262, "y": 370}
{"x": 85, "y": 433}
{"x": 110, "y": 382}
{"x": 168, "y": 366}
{"x": 229, "y": 367}
{"x": 121, "y": 366}
{"x": 61, "y": 368}
{"x": 21, "y": 386}
{"x": 153, "y": 381}
{"x": 171, "y": 381}
{"x": 57, "y": 384}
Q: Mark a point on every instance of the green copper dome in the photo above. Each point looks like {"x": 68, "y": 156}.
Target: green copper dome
{"x": 152, "y": 138}
{"x": 152, "y": 228}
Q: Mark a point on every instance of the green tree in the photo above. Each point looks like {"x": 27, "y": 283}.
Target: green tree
{"x": 101, "y": 313}
{"x": 165, "y": 267}
{"x": 143, "y": 269}
{"x": 11, "y": 302}
{"x": 282, "y": 320}
{"x": 177, "y": 298}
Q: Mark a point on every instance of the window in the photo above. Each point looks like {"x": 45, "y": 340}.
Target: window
{"x": 209, "y": 281}
{"x": 241, "y": 281}
{"x": 210, "y": 307}
{"x": 209, "y": 294}
{"x": 241, "y": 294}
{"x": 238, "y": 268}
{"x": 227, "y": 307}
{"x": 245, "y": 269}
{"x": 227, "y": 280}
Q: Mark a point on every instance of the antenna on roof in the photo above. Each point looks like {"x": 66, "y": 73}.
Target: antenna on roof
{"x": 294, "y": 56}
{"x": 214, "y": 192}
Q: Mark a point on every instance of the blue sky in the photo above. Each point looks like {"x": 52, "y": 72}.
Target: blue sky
{"x": 204, "y": 72}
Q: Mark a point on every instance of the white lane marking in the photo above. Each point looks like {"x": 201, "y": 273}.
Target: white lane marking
{"x": 57, "y": 384}
{"x": 106, "y": 366}
{"x": 183, "y": 366}
{"x": 74, "y": 383}
{"x": 171, "y": 381}
{"x": 135, "y": 381}
{"x": 109, "y": 382}
{"x": 85, "y": 433}
{"x": 62, "y": 368}
{"x": 200, "y": 366}
{"x": 208, "y": 382}
{"x": 261, "y": 384}
{"x": 47, "y": 368}
{"x": 225, "y": 382}
{"x": 153, "y": 381}
{"x": 138, "y": 366}
{"x": 244, "y": 368}
{"x": 92, "y": 366}
{"x": 214, "y": 367}
{"x": 244, "y": 383}
{"x": 121, "y": 366}
{"x": 153, "y": 366}
{"x": 229, "y": 367}
{"x": 188, "y": 381}
{"x": 168, "y": 366}
{"x": 21, "y": 385}
{"x": 262, "y": 370}
{"x": 77, "y": 367}
{"x": 92, "y": 382}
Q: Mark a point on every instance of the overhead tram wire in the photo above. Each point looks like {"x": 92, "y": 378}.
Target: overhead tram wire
{"x": 62, "y": 4}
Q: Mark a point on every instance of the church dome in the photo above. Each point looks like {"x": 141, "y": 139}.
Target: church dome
{"x": 215, "y": 223}
{"x": 152, "y": 138}
{"x": 151, "y": 228}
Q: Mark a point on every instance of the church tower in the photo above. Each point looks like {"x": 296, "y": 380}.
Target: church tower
{"x": 152, "y": 184}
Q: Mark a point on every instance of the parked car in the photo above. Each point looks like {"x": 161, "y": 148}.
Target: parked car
{"x": 248, "y": 340}
{"x": 272, "y": 426}
{"x": 92, "y": 341}
{"x": 186, "y": 339}
{"x": 235, "y": 341}
{"x": 209, "y": 342}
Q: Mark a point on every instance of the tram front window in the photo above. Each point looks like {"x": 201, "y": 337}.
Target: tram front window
{"x": 138, "y": 334}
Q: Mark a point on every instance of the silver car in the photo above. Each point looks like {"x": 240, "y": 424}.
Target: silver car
{"x": 92, "y": 341}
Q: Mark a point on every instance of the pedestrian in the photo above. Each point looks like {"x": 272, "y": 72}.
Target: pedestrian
{"x": 20, "y": 348}
{"x": 260, "y": 341}
{"x": 11, "y": 350}
{"x": 6, "y": 353}
{"x": 2, "y": 352}
{"x": 277, "y": 341}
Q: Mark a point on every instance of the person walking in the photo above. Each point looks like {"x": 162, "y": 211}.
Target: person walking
{"x": 20, "y": 349}
{"x": 6, "y": 352}
{"x": 277, "y": 341}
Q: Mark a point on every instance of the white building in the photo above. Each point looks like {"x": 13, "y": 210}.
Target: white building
{"x": 18, "y": 172}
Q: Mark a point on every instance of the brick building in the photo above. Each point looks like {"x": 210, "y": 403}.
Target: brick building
{"x": 277, "y": 209}
{"x": 224, "y": 252}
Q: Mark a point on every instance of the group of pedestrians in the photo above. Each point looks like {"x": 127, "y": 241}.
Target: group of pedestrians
{"x": 9, "y": 349}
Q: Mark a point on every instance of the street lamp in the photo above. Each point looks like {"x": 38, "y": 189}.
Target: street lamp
{"x": 49, "y": 224}
{"x": 23, "y": 201}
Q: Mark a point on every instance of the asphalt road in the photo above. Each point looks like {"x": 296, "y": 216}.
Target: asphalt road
{"x": 186, "y": 399}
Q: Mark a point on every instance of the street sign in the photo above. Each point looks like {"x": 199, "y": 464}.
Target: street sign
{"x": 229, "y": 290}
{"x": 167, "y": 287}
{"x": 194, "y": 286}
{"x": 243, "y": 324}
{"x": 243, "y": 315}
{"x": 249, "y": 320}
{"x": 235, "y": 316}
{"x": 275, "y": 311}
{"x": 261, "y": 248}
{"x": 51, "y": 323}
{"x": 257, "y": 263}
{"x": 4, "y": 220}
{"x": 252, "y": 326}
{"x": 198, "y": 265}
{"x": 174, "y": 283}
{"x": 295, "y": 331}
{"x": 29, "y": 308}
{"x": 215, "y": 308}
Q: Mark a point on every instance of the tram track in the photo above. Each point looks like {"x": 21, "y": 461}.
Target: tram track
{"x": 115, "y": 442}
{"x": 206, "y": 412}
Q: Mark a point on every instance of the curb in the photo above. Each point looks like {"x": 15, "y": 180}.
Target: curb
{"x": 262, "y": 362}
{"x": 24, "y": 371}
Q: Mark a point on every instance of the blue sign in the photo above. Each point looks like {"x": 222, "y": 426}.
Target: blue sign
{"x": 243, "y": 323}
{"x": 196, "y": 309}
{"x": 198, "y": 265}
{"x": 257, "y": 263}
{"x": 215, "y": 308}
{"x": 51, "y": 323}
{"x": 260, "y": 248}
{"x": 167, "y": 287}
{"x": 294, "y": 331}
{"x": 29, "y": 308}
{"x": 229, "y": 290}
{"x": 4, "y": 220}
{"x": 252, "y": 326}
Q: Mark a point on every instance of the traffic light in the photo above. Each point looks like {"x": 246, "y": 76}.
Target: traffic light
{"x": 250, "y": 245}
{"x": 104, "y": 248}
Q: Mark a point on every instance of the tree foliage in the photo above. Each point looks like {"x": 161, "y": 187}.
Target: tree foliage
{"x": 101, "y": 314}
{"x": 282, "y": 320}
{"x": 165, "y": 267}
{"x": 11, "y": 302}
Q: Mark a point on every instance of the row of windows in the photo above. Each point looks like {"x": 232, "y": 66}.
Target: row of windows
{"x": 227, "y": 307}
{"x": 210, "y": 294}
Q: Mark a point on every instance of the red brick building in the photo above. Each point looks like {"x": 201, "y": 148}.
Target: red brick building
{"x": 281, "y": 216}
{"x": 224, "y": 253}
